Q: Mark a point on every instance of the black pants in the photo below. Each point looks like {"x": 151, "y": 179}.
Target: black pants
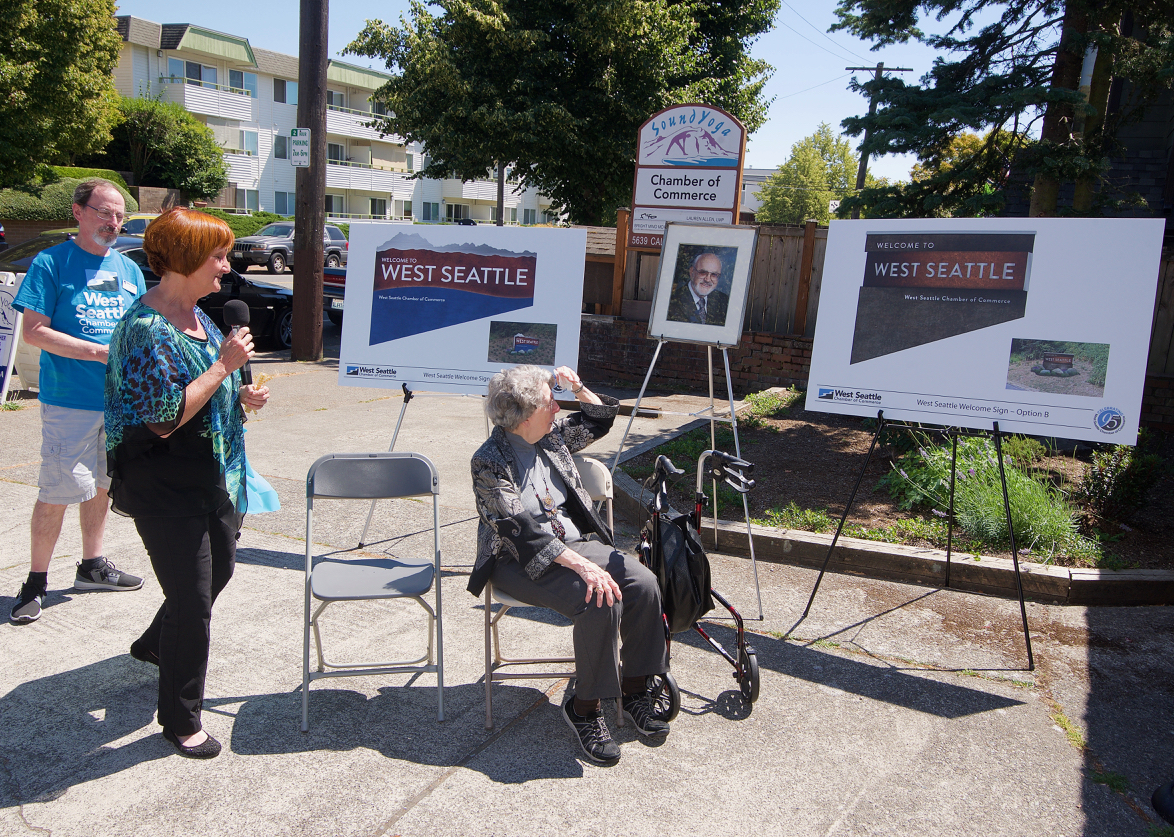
{"x": 193, "y": 558}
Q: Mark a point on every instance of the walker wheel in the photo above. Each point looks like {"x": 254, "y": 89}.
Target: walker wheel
{"x": 748, "y": 662}
{"x": 664, "y": 695}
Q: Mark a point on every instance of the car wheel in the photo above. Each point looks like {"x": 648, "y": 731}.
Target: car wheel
{"x": 335, "y": 317}
{"x": 333, "y": 260}
{"x": 277, "y": 263}
{"x": 283, "y": 328}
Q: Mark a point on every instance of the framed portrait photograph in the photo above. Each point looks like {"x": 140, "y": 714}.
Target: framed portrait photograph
{"x": 701, "y": 288}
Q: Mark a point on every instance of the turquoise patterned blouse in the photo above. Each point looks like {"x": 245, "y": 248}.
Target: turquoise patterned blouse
{"x": 197, "y": 467}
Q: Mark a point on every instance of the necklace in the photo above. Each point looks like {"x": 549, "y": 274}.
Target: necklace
{"x": 547, "y": 502}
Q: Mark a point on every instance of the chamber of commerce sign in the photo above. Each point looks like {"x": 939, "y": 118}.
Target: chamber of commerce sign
{"x": 688, "y": 168}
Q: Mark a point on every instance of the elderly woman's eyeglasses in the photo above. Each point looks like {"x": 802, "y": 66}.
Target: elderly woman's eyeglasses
{"x": 108, "y": 216}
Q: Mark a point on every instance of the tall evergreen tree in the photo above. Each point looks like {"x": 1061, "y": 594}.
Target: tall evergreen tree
{"x": 1018, "y": 71}
{"x": 558, "y": 88}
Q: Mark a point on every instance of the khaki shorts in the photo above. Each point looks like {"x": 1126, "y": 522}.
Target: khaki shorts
{"x": 73, "y": 455}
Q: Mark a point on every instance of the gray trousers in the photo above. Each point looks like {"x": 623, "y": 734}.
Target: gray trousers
{"x": 630, "y": 632}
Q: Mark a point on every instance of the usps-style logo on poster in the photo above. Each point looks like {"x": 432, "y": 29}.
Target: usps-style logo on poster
{"x": 442, "y": 308}
{"x": 688, "y": 169}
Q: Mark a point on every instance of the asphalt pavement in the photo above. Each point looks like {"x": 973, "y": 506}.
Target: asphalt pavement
{"x": 890, "y": 709}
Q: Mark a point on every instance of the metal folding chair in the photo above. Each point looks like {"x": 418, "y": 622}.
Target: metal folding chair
{"x": 371, "y": 476}
{"x": 597, "y": 481}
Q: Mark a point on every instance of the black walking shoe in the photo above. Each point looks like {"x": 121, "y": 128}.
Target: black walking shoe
{"x": 593, "y": 736}
{"x": 638, "y": 710}
{"x": 28, "y": 604}
{"x": 105, "y": 576}
{"x": 208, "y": 748}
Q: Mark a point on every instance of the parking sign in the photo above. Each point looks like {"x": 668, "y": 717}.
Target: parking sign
{"x": 299, "y": 146}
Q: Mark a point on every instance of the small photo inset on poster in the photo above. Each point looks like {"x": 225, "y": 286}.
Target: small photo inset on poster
{"x": 1062, "y": 367}
{"x": 511, "y": 342}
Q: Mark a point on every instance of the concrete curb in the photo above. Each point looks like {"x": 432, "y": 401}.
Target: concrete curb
{"x": 924, "y": 566}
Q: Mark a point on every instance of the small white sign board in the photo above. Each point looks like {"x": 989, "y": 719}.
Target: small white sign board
{"x": 1040, "y": 324}
{"x": 442, "y": 308}
{"x": 9, "y": 324}
{"x": 299, "y": 147}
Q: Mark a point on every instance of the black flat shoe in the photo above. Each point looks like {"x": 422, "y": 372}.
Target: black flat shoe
{"x": 143, "y": 654}
{"x": 210, "y": 748}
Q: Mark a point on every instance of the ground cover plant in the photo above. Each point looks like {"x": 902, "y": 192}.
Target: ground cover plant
{"x": 1109, "y": 507}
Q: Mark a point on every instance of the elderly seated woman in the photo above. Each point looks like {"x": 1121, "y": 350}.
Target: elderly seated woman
{"x": 540, "y": 541}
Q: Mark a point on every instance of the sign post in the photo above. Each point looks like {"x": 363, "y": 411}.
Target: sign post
{"x": 688, "y": 168}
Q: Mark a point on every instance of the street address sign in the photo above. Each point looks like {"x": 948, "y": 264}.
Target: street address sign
{"x": 299, "y": 146}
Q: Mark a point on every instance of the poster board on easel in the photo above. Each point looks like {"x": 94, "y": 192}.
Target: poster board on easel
{"x": 10, "y": 322}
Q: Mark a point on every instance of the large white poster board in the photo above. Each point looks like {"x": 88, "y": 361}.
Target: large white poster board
{"x": 443, "y": 308}
{"x": 1041, "y": 324}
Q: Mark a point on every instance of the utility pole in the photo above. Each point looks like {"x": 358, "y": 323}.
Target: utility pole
{"x": 310, "y": 182}
{"x": 863, "y": 170}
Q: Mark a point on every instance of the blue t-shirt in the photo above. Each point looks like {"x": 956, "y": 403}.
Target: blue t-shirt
{"x": 84, "y": 296}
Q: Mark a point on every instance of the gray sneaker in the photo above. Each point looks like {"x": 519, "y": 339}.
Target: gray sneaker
{"x": 105, "y": 576}
{"x": 28, "y": 605}
{"x": 593, "y": 735}
{"x": 638, "y": 710}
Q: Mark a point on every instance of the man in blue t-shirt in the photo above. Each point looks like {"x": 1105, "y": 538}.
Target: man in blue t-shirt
{"x": 72, "y": 297}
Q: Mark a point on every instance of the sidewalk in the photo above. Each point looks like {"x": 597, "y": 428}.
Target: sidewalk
{"x": 892, "y": 709}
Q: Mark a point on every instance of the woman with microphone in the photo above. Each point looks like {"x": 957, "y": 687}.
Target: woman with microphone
{"x": 176, "y": 456}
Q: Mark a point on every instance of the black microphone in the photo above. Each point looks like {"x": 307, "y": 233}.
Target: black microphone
{"x": 236, "y": 314}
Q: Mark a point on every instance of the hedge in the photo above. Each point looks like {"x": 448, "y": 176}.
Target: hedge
{"x": 242, "y": 225}
{"x": 53, "y": 202}
{"x": 84, "y": 174}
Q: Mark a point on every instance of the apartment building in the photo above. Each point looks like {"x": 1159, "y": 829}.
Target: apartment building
{"x": 248, "y": 97}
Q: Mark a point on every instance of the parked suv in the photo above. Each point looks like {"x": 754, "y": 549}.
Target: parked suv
{"x": 273, "y": 247}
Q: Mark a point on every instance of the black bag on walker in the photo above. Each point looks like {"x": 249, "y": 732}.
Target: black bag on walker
{"x": 683, "y": 575}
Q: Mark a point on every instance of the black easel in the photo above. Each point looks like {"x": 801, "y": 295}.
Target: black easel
{"x": 880, "y": 422}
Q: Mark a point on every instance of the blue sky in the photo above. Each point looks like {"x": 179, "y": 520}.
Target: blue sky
{"x": 809, "y": 85}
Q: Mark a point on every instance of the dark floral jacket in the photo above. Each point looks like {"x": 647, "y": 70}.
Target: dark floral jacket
{"x": 506, "y": 530}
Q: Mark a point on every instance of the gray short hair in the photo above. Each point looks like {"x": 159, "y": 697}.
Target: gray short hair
{"x": 514, "y": 394}
{"x": 85, "y": 190}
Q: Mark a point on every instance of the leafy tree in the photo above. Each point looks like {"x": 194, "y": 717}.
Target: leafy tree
{"x": 821, "y": 168}
{"x": 1018, "y": 72}
{"x": 955, "y": 171}
{"x": 558, "y": 88}
{"x": 164, "y": 145}
{"x": 56, "y": 84}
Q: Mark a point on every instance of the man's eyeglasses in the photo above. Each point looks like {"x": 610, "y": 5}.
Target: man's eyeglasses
{"x": 108, "y": 216}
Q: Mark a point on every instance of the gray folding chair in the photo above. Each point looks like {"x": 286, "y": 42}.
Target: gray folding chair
{"x": 371, "y": 476}
{"x": 597, "y": 481}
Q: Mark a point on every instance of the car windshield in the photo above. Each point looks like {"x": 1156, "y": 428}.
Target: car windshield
{"x": 284, "y": 230}
{"x": 28, "y": 249}
{"x": 135, "y": 226}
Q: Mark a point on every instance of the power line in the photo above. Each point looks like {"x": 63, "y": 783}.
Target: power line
{"x": 804, "y": 90}
{"x": 813, "y": 43}
{"x": 820, "y": 31}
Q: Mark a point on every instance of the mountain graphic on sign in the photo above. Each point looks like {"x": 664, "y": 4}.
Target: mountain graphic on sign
{"x": 415, "y": 241}
{"x": 690, "y": 146}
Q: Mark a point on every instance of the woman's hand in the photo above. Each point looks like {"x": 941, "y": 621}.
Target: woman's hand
{"x": 236, "y": 349}
{"x": 254, "y": 397}
{"x": 600, "y": 586}
{"x": 575, "y": 384}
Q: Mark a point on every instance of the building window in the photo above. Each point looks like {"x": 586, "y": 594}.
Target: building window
{"x": 402, "y": 209}
{"x": 283, "y": 203}
{"x": 175, "y": 68}
{"x": 200, "y": 74}
{"x": 248, "y": 143}
{"x": 431, "y": 212}
{"x": 242, "y": 82}
{"x": 411, "y": 158}
{"x": 335, "y": 152}
{"x": 514, "y": 215}
{"x": 456, "y": 211}
{"x": 529, "y": 216}
{"x": 285, "y": 91}
{"x": 377, "y": 108}
{"x": 247, "y": 199}
{"x": 335, "y": 205}
{"x": 334, "y": 99}
{"x": 378, "y": 208}
{"x": 281, "y": 147}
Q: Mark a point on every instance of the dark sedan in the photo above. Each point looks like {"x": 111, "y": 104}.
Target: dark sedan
{"x": 270, "y": 306}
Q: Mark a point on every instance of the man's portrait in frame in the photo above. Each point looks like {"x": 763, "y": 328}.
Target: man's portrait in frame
{"x": 701, "y": 284}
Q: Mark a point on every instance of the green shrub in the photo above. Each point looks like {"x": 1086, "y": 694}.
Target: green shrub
{"x": 1114, "y": 485}
{"x": 242, "y": 225}
{"x": 85, "y": 174}
{"x": 1023, "y": 450}
{"x": 48, "y": 202}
